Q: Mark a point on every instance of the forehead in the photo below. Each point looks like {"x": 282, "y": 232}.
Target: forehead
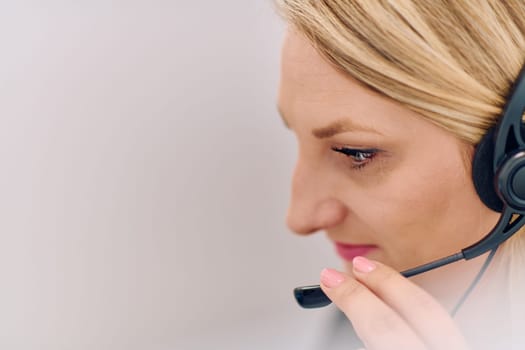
{"x": 312, "y": 89}
{"x": 300, "y": 60}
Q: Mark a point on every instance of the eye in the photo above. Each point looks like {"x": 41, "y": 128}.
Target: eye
{"x": 360, "y": 157}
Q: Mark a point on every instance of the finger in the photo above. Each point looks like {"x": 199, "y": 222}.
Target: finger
{"x": 376, "y": 324}
{"x": 418, "y": 308}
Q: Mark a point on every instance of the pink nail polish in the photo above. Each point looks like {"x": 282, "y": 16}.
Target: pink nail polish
{"x": 331, "y": 278}
{"x": 362, "y": 264}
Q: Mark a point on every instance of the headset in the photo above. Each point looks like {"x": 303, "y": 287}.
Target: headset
{"x": 498, "y": 172}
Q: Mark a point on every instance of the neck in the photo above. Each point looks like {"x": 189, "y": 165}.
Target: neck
{"x": 484, "y": 315}
{"x": 449, "y": 283}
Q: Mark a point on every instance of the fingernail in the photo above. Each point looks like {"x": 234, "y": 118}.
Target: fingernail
{"x": 331, "y": 278}
{"x": 363, "y": 265}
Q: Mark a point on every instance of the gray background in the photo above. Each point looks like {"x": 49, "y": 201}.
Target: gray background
{"x": 145, "y": 179}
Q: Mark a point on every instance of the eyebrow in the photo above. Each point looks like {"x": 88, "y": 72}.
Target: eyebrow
{"x": 340, "y": 126}
{"x": 337, "y": 127}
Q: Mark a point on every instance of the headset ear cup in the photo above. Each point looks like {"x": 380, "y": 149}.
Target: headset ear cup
{"x": 482, "y": 173}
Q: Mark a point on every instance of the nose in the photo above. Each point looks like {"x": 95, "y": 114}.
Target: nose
{"x": 312, "y": 205}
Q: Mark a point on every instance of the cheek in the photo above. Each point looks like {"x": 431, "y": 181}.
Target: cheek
{"x": 422, "y": 201}
{"x": 419, "y": 211}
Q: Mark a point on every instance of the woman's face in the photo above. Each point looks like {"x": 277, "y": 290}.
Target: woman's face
{"x": 378, "y": 178}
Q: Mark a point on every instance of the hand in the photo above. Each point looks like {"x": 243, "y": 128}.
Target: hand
{"x": 388, "y": 311}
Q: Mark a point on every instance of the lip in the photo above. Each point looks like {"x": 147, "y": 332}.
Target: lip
{"x": 349, "y": 251}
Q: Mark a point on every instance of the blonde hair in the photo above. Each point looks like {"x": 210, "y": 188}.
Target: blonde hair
{"x": 453, "y": 62}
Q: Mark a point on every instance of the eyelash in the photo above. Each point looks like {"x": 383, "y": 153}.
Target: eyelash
{"x": 360, "y": 157}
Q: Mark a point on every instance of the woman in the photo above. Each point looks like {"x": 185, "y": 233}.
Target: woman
{"x": 388, "y": 101}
